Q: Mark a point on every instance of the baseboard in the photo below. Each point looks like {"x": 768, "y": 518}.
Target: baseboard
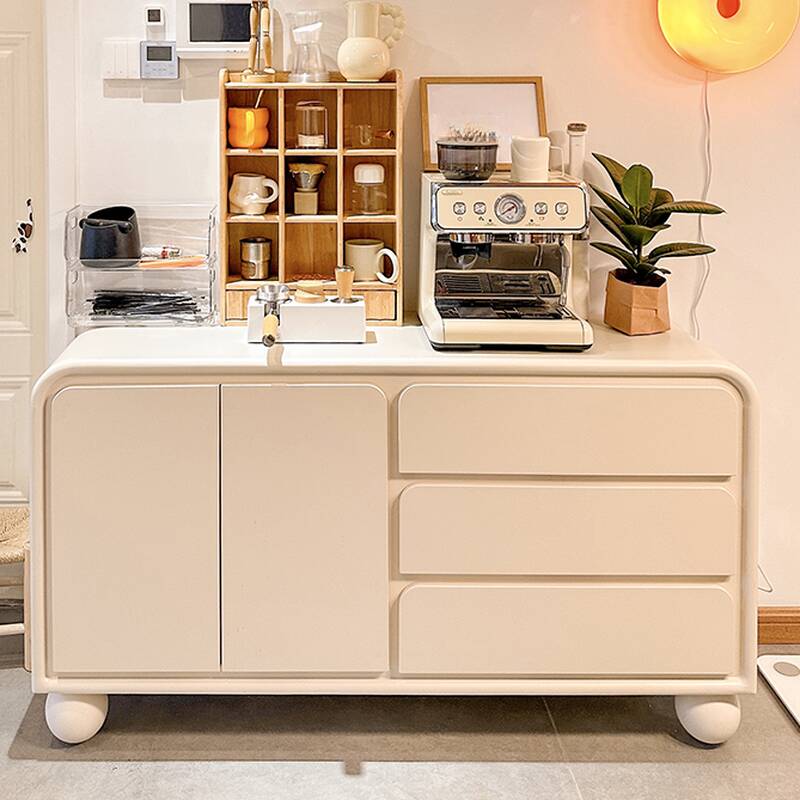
{"x": 779, "y": 625}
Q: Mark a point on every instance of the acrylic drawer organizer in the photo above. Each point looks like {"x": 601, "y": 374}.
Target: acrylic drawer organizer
{"x": 102, "y": 294}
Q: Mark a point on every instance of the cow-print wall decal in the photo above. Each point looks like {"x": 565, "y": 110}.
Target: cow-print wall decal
{"x": 24, "y": 231}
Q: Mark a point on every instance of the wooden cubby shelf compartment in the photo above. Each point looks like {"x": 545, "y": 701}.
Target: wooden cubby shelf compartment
{"x": 328, "y": 192}
{"x": 313, "y": 245}
{"x": 389, "y": 164}
{"x": 369, "y": 107}
{"x": 372, "y": 228}
{"x": 328, "y": 97}
{"x": 311, "y": 251}
{"x": 238, "y": 230}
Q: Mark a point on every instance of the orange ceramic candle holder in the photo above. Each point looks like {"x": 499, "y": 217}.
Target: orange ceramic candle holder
{"x": 248, "y": 128}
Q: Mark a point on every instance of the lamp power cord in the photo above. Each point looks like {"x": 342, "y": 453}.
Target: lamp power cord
{"x": 708, "y": 166}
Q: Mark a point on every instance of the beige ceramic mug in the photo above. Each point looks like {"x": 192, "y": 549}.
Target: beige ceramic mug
{"x": 365, "y": 256}
{"x": 251, "y": 193}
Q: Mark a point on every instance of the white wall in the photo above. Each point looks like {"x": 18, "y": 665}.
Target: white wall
{"x": 61, "y": 37}
{"x": 603, "y": 62}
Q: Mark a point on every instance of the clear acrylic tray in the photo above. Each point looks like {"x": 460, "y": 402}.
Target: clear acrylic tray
{"x": 120, "y": 292}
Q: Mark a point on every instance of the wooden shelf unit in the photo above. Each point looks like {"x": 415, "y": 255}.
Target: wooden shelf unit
{"x": 313, "y": 245}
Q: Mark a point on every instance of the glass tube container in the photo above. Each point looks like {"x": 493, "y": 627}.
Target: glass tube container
{"x": 369, "y": 195}
{"x": 311, "y": 124}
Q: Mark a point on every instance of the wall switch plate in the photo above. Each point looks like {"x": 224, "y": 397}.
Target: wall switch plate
{"x": 120, "y": 59}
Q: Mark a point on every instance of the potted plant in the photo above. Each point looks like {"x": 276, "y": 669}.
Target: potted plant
{"x": 636, "y": 293}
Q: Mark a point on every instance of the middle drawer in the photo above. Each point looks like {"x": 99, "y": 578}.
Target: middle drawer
{"x": 567, "y": 529}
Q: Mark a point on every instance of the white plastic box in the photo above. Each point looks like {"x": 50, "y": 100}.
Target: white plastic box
{"x": 328, "y": 322}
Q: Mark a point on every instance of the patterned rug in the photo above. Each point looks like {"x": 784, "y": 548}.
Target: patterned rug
{"x": 14, "y": 527}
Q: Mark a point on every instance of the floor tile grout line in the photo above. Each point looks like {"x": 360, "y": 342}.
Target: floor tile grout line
{"x": 565, "y": 760}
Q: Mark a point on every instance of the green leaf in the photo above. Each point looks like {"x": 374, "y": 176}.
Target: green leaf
{"x": 617, "y": 206}
{"x": 658, "y": 197}
{"x": 612, "y": 223}
{"x": 614, "y": 169}
{"x": 642, "y": 235}
{"x": 678, "y": 250}
{"x": 688, "y": 207}
{"x": 637, "y": 183}
{"x": 621, "y": 255}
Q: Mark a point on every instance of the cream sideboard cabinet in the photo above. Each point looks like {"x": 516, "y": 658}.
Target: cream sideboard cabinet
{"x": 213, "y": 517}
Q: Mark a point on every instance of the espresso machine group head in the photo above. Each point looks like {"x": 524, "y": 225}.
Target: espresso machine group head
{"x": 496, "y": 267}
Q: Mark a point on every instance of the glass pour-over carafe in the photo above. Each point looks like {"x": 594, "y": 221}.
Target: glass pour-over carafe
{"x": 307, "y": 62}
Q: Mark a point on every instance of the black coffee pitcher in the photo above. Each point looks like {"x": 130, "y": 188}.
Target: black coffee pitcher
{"x": 110, "y": 238}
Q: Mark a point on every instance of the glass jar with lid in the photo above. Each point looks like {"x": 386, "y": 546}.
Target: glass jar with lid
{"x": 369, "y": 195}
{"x": 311, "y": 124}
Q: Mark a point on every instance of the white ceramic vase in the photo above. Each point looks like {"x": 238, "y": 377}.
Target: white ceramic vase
{"x": 364, "y": 55}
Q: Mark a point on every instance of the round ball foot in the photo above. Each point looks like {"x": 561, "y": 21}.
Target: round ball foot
{"x": 709, "y": 719}
{"x": 74, "y": 718}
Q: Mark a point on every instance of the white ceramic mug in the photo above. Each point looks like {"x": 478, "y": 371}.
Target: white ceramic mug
{"x": 247, "y": 195}
{"x": 365, "y": 256}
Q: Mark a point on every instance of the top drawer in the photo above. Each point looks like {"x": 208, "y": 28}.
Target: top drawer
{"x": 630, "y": 427}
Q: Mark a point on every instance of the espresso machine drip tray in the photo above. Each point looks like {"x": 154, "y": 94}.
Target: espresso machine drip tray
{"x": 500, "y": 310}
{"x": 533, "y": 283}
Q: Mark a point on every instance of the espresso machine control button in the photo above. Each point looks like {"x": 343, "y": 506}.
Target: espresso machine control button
{"x": 510, "y": 209}
{"x": 541, "y": 209}
{"x": 479, "y": 208}
{"x": 459, "y": 209}
{"x": 562, "y": 209}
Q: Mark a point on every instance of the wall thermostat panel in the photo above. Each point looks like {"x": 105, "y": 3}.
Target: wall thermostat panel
{"x": 155, "y": 17}
{"x": 158, "y": 60}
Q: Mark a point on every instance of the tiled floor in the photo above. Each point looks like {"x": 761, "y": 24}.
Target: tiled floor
{"x": 559, "y": 748}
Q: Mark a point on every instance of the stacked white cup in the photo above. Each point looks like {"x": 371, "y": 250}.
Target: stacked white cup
{"x": 530, "y": 159}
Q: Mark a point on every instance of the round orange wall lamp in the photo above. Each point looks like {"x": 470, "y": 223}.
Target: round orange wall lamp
{"x": 728, "y": 35}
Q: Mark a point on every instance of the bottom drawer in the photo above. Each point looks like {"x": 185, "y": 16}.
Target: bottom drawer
{"x": 575, "y": 630}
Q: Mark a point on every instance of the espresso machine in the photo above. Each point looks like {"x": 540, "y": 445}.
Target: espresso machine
{"x": 496, "y": 266}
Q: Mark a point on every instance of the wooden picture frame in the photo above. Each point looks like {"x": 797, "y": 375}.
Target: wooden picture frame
{"x": 481, "y": 101}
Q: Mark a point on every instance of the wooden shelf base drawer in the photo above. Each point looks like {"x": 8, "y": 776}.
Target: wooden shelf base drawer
{"x": 579, "y": 427}
{"x": 568, "y": 529}
{"x": 236, "y": 303}
{"x": 567, "y": 630}
{"x": 381, "y": 305}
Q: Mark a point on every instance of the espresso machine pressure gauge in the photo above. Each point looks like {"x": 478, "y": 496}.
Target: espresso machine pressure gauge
{"x": 509, "y": 209}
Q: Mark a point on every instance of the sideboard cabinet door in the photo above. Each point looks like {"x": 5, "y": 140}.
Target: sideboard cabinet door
{"x": 132, "y": 544}
{"x": 304, "y": 528}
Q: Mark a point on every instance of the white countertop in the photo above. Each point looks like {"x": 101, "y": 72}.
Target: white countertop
{"x": 389, "y": 350}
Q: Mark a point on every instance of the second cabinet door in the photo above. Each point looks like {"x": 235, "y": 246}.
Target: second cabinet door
{"x": 304, "y": 528}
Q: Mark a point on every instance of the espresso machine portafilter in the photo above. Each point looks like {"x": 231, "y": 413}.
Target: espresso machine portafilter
{"x": 467, "y": 248}
{"x": 273, "y": 296}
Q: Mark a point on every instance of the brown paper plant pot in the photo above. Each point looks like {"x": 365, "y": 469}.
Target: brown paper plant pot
{"x": 636, "y": 310}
